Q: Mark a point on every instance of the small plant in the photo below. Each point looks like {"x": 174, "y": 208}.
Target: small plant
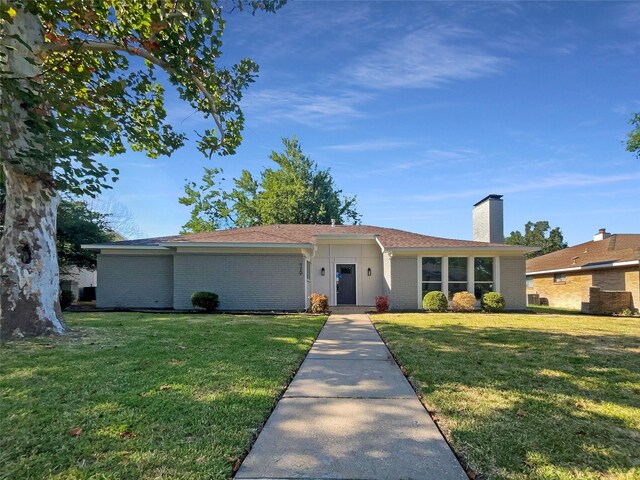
{"x": 66, "y": 298}
{"x": 628, "y": 312}
{"x": 207, "y": 300}
{"x": 463, "y": 302}
{"x": 382, "y": 304}
{"x": 493, "y": 302}
{"x": 435, "y": 302}
{"x": 319, "y": 303}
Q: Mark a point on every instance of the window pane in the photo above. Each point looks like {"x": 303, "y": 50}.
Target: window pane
{"x": 529, "y": 282}
{"x": 458, "y": 269}
{"x": 456, "y": 287}
{"x": 431, "y": 287}
{"x": 431, "y": 269}
{"x": 483, "y": 269}
{"x": 482, "y": 288}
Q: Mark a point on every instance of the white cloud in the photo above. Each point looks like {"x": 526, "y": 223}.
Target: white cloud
{"x": 426, "y": 58}
{"x": 370, "y": 146}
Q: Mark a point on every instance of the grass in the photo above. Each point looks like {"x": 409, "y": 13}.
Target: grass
{"x": 553, "y": 310}
{"x": 155, "y": 396}
{"x": 526, "y": 396}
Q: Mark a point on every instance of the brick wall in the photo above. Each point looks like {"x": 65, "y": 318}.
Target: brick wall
{"x": 243, "y": 281}
{"x": 404, "y": 283}
{"x": 603, "y": 301}
{"x": 513, "y": 282}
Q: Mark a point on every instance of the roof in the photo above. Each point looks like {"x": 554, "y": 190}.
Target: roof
{"x": 622, "y": 247}
{"x": 297, "y": 235}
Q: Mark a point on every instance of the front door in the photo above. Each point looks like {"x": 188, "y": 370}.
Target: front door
{"x": 346, "y": 284}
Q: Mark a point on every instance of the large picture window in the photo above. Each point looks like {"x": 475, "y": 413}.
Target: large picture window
{"x": 457, "y": 275}
{"x": 431, "y": 274}
{"x": 483, "y": 276}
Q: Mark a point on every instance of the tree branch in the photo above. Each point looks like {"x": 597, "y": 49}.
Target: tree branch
{"x": 93, "y": 46}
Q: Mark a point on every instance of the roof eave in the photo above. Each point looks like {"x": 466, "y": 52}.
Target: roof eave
{"x": 586, "y": 267}
{"x": 106, "y": 246}
{"x": 497, "y": 248}
{"x": 235, "y": 245}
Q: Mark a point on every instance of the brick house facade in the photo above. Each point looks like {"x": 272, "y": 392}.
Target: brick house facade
{"x": 565, "y": 278}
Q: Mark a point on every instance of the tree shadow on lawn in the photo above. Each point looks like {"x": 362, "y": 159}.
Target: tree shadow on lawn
{"x": 525, "y": 403}
{"x": 155, "y": 397}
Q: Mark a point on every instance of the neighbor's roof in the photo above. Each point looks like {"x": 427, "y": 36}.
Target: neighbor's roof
{"x": 622, "y": 247}
{"x": 297, "y": 235}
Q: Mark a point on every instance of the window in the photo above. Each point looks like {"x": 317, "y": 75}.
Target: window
{"x": 559, "y": 277}
{"x": 483, "y": 276}
{"x": 308, "y": 270}
{"x": 431, "y": 274}
{"x": 529, "y": 282}
{"x": 457, "y": 275}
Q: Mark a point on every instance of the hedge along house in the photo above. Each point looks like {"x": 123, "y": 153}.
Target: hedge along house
{"x": 276, "y": 267}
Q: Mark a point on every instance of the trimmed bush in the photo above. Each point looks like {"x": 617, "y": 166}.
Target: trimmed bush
{"x": 318, "y": 303}
{"x": 382, "y": 304}
{"x": 207, "y": 300}
{"x": 463, "y": 302}
{"x": 435, "y": 302}
{"x": 493, "y": 302}
{"x": 66, "y": 298}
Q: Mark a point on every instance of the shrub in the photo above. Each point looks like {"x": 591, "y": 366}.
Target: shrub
{"x": 435, "y": 302}
{"x": 382, "y": 304}
{"x": 464, "y": 302}
{"x": 207, "y": 300}
{"x": 319, "y": 303}
{"x": 66, "y": 298}
{"x": 628, "y": 312}
{"x": 493, "y": 302}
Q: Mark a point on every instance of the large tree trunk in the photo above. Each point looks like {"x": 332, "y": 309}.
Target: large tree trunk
{"x": 29, "y": 283}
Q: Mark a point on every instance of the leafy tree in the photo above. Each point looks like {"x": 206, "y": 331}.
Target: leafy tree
{"x": 295, "y": 192}
{"x": 633, "y": 143}
{"x": 535, "y": 235}
{"x": 69, "y": 93}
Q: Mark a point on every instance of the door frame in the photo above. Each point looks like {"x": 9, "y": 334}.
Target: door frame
{"x": 355, "y": 282}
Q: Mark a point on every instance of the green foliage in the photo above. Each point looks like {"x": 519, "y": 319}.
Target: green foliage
{"x": 535, "y": 235}
{"x": 435, "y": 302}
{"x": 318, "y": 303}
{"x": 66, "y": 298}
{"x": 207, "y": 300}
{"x": 633, "y": 143}
{"x": 78, "y": 225}
{"x": 493, "y": 302}
{"x": 98, "y": 102}
{"x": 294, "y": 192}
{"x": 463, "y": 302}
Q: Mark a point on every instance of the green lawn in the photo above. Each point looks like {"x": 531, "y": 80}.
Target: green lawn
{"x": 157, "y": 396}
{"x": 526, "y": 396}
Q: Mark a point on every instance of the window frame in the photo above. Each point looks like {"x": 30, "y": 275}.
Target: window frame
{"x": 559, "y": 278}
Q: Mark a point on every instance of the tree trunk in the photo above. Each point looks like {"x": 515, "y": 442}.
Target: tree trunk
{"x": 29, "y": 280}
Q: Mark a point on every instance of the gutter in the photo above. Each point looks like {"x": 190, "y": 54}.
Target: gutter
{"x": 587, "y": 267}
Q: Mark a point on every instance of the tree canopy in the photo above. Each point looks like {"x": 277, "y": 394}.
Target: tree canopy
{"x": 296, "y": 191}
{"x": 633, "y": 142}
{"x": 535, "y": 235}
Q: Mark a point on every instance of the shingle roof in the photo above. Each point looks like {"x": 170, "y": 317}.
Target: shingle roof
{"x": 616, "y": 248}
{"x": 296, "y": 234}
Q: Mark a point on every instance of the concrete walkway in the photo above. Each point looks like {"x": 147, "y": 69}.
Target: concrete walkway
{"x": 349, "y": 413}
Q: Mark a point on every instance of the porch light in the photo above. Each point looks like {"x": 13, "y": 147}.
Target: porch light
{"x": 369, "y": 272}
{"x": 322, "y": 272}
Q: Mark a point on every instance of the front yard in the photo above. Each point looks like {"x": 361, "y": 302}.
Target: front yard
{"x": 130, "y": 395}
{"x": 526, "y": 396}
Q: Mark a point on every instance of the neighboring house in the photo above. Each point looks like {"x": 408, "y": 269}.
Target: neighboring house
{"x": 586, "y": 276}
{"x": 79, "y": 281}
{"x": 276, "y": 267}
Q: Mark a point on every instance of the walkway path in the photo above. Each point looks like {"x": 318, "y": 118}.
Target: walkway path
{"x": 349, "y": 413}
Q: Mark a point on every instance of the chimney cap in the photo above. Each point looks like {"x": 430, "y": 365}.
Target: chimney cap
{"x": 602, "y": 230}
{"x": 492, "y": 196}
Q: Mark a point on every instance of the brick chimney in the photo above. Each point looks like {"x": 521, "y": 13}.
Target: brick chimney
{"x": 488, "y": 221}
{"x": 601, "y": 235}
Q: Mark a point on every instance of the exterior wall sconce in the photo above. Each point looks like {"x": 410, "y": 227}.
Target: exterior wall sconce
{"x": 322, "y": 272}
{"x": 369, "y": 272}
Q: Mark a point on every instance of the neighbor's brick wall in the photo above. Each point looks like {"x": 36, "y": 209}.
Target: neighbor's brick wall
{"x": 603, "y": 301}
{"x": 513, "y": 282}
{"x": 130, "y": 281}
{"x": 404, "y": 283}
{"x": 242, "y": 281}
{"x": 575, "y": 291}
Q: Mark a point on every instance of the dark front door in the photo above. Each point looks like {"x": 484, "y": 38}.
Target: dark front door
{"x": 346, "y": 284}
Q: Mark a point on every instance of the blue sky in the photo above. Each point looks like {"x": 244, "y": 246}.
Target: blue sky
{"x": 423, "y": 108}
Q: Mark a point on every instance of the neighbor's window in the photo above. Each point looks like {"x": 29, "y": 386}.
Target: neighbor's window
{"x": 529, "y": 282}
{"x": 559, "y": 277}
{"x": 457, "y": 275}
{"x": 431, "y": 274}
{"x": 483, "y": 275}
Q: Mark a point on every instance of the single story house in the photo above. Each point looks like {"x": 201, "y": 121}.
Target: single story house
{"x": 276, "y": 267}
{"x": 599, "y": 276}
